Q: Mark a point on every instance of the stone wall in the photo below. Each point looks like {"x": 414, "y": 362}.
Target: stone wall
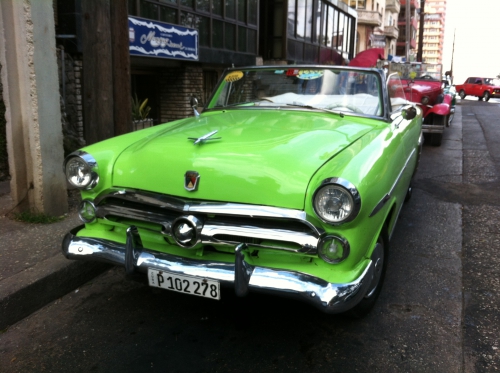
{"x": 4, "y": 160}
{"x": 177, "y": 86}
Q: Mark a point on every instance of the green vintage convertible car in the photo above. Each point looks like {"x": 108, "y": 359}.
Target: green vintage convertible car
{"x": 289, "y": 182}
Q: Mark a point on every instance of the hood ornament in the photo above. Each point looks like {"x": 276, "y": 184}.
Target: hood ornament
{"x": 204, "y": 138}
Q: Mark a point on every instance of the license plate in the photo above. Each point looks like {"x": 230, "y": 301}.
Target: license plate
{"x": 184, "y": 284}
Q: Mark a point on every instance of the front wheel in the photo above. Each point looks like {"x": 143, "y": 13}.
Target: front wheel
{"x": 486, "y": 96}
{"x": 437, "y": 120}
{"x": 436, "y": 139}
{"x": 379, "y": 259}
{"x": 462, "y": 94}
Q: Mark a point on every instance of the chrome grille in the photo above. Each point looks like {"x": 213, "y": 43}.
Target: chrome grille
{"x": 223, "y": 223}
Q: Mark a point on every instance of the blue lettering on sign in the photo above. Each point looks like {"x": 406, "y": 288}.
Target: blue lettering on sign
{"x": 158, "y": 39}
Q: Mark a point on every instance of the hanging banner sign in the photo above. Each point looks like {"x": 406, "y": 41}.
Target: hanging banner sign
{"x": 158, "y": 39}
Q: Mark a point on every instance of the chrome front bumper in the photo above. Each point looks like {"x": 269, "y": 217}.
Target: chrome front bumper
{"x": 328, "y": 297}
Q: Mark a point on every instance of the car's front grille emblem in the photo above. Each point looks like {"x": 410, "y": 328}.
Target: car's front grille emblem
{"x": 191, "y": 180}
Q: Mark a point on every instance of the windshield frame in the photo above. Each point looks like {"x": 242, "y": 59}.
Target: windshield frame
{"x": 214, "y": 104}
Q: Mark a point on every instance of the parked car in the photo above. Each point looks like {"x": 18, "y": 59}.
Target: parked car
{"x": 424, "y": 86}
{"x": 451, "y": 90}
{"x": 290, "y": 182}
{"x": 483, "y": 88}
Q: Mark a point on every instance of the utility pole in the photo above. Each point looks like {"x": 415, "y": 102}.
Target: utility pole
{"x": 408, "y": 30}
{"x": 421, "y": 31}
{"x": 106, "y": 71}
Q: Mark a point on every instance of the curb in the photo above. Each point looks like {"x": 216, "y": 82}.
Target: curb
{"x": 34, "y": 288}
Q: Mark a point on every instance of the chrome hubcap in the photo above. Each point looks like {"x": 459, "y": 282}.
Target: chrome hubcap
{"x": 378, "y": 260}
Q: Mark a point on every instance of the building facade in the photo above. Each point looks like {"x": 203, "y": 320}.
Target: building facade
{"x": 229, "y": 33}
{"x": 377, "y": 24}
{"x": 434, "y": 28}
{"x": 407, "y": 40}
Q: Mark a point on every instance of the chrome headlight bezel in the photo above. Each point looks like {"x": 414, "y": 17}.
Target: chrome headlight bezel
{"x": 344, "y": 244}
{"x": 425, "y": 100}
{"x": 86, "y": 167}
{"x": 343, "y": 189}
{"x": 87, "y": 212}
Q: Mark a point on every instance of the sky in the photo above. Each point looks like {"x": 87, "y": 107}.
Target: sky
{"x": 475, "y": 26}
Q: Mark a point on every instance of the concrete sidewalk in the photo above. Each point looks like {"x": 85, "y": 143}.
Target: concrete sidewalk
{"x": 33, "y": 270}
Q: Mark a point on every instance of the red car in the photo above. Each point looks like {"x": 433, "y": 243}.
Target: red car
{"x": 422, "y": 84}
{"x": 483, "y": 88}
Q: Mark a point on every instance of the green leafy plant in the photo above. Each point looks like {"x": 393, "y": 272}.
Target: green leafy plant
{"x": 139, "y": 109}
{"x": 36, "y": 218}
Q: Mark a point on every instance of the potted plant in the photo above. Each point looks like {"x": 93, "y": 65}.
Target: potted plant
{"x": 140, "y": 112}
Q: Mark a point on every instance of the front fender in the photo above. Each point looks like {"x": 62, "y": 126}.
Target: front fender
{"x": 440, "y": 109}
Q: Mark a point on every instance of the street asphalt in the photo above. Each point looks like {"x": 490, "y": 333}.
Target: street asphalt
{"x": 33, "y": 270}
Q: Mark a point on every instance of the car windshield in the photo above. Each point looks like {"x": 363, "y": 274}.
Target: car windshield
{"x": 417, "y": 71}
{"x": 340, "y": 90}
{"x": 491, "y": 81}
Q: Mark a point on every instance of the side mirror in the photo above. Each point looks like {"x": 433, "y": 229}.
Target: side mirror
{"x": 409, "y": 113}
{"x": 193, "y": 101}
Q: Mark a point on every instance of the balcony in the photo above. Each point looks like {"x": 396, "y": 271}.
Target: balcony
{"x": 413, "y": 3}
{"x": 391, "y": 32}
{"x": 367, "y": 17}
{"x": 393, "y": 6}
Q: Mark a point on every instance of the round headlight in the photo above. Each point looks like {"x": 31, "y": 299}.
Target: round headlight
{"x": 425, "y": 100}
{"x": 86, "y": 211}
{"x": 333, "y": 249}
{"x": 336, "y": 201}
{"x": 80, "y": 171}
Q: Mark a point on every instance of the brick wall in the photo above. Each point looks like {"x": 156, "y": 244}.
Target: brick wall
{"x": 177, "y": 86}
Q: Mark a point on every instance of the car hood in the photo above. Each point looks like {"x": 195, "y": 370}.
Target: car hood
{"x": 265, "y": 158}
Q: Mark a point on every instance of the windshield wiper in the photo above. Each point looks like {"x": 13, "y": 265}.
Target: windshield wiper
{"x": 338, "y": 112}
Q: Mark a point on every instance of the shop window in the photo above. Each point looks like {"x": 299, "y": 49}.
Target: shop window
{"x": 190, "y": 20}
{"x": 292, "y": 19}
{"x": 252, "y": 41}
{"x": 203, "y": 5}
{"x": 204, "y": 31}
{"x": 241, "y": 11}
{"x": 230, "y": 36}
{"x": 217, "y": 34}
{"x": 132, "y": 10}
{"x": 168, "y": 1}
{"x": 231, "y": 9}
{"x": 168, "y": 15}
{"x": 217, "y": 7}
{"x": 242, "y": 39}
{"x": 187, "y": 3}
{"x": 149, "y": 10}
{"x": 252, "y": 12}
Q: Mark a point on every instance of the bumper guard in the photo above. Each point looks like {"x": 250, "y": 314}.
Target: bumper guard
{"x": 328, "y": 297}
